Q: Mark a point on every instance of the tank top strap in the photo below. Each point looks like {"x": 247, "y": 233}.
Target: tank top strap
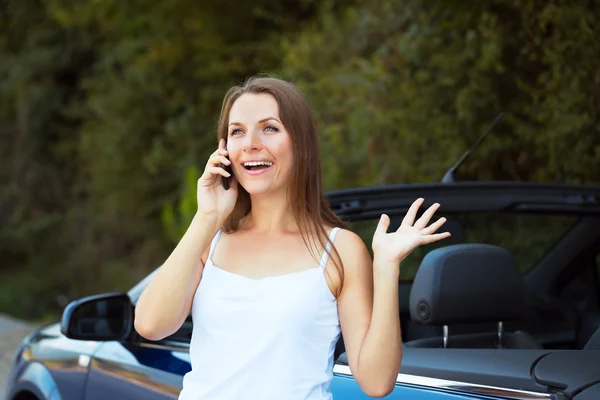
{"x": 325, "y": 256}
{"x": 213, "y": 244}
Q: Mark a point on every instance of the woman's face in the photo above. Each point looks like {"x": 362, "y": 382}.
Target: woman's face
{"x": 260, "y": 148}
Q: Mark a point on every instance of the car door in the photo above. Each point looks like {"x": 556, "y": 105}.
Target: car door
{"x": 139, "y": 369}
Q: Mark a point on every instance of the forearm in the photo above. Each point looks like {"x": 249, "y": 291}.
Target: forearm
{"x": 164, "y": 303}
{"x": 381, "y": 350}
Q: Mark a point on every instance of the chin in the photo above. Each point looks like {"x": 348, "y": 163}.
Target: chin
{"x": 260, "y": 188}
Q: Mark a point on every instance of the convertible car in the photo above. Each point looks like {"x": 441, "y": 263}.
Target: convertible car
{"x": 507, "y": 308}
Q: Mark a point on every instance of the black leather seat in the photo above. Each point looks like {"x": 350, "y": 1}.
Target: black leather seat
{"x": 589, "y": 324}
{"x": 469, "y": 284}
{"x": 594, "y": 341}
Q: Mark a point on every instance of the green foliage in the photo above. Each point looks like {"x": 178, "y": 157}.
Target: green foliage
{"x": 404, "y": 87}
{"x": 177, "y": 222}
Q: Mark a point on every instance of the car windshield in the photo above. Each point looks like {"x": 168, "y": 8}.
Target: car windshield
{"x": 527, "y": 236}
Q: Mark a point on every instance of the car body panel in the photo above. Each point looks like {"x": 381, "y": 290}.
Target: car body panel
{"x": 52, "y": 362}
{"x": 590, "y": 393}
{"x": 36, "y": 378}
{"x": 142, "y": 370}
{"x": 583, "y": 371}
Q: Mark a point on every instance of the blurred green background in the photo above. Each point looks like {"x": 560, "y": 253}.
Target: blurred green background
{"x": 108, "y": 111}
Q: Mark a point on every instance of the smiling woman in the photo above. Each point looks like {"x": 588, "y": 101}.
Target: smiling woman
{"x": 271, "y": 276}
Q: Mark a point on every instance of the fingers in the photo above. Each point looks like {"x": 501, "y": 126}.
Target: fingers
{"x": 220, "y": 155}
{"x": 222, "y": 150}
{"x": 434, "y": 238}
{"x": 426, "y": 217}
{"x": 383, "y": 225}
{"x": 218, "y": 171}
{"x": 219, "y": 152}
{"x": 433, "y": 227}
{"x": 214, "y": 166}
{"x": 217, "y": 160}
{"x": 409, "y": 218}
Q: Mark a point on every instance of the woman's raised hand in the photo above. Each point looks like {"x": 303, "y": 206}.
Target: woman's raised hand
{"x": 213, "y": 200}
{"x": 396, "y": 246}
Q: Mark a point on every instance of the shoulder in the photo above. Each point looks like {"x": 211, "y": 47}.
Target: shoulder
{"x": 349, "y": 261}
{"x": 352, "y": 250}
{"x": 348, "y": 240}
{"x": 356, "y": 263}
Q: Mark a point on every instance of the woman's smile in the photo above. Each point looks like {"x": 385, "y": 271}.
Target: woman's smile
{"x": 257, "y": 167}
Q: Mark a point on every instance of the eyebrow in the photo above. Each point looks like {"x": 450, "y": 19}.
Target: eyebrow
{"x": 260, "y": 122}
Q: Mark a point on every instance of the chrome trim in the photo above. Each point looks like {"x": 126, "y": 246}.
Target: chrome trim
{"x": 170, "y": 345}
{"x": 445, "y": 336}
{"x": 453, "y": 386}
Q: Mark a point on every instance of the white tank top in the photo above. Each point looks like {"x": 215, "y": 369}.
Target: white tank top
{"x": 269, "y": 339}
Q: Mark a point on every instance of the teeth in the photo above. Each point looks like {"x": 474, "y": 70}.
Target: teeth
{"x": 257, "y": 163}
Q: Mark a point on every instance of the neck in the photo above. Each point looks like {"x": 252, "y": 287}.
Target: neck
{"x": 271, "y": 213}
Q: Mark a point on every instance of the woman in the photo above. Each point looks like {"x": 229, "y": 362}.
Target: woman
{"x": 270, "y": 274}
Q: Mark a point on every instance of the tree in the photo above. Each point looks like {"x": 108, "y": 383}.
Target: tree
{"x": 404, "y": 87}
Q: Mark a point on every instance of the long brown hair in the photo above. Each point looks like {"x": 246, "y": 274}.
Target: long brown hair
{"x": 309, "y": 205}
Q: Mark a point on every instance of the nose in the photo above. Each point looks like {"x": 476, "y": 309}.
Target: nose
{"x": 252, "y": 141}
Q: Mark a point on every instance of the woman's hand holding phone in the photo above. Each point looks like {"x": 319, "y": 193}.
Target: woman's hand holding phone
{"x": 213, "y": 199}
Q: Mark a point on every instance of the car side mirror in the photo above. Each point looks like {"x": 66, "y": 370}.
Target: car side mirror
{"x": 103, "y": 317}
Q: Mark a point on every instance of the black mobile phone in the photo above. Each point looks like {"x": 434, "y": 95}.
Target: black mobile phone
{"x": 226, "y": 181}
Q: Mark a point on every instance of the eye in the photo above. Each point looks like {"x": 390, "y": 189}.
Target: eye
{"x": 271, "y": 128}
{"x": 235, "y": 131}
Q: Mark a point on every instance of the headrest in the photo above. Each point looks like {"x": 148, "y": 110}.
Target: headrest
{"x": 467, "y": 283}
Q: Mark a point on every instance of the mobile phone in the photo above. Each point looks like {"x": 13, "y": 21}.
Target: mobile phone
{"x": 226, "y": 181}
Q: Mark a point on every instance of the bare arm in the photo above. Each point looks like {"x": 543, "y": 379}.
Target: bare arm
{"x": 166, "y": 302}
{"x": 370, "y": 317}
{"x": 368, "y": 305}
